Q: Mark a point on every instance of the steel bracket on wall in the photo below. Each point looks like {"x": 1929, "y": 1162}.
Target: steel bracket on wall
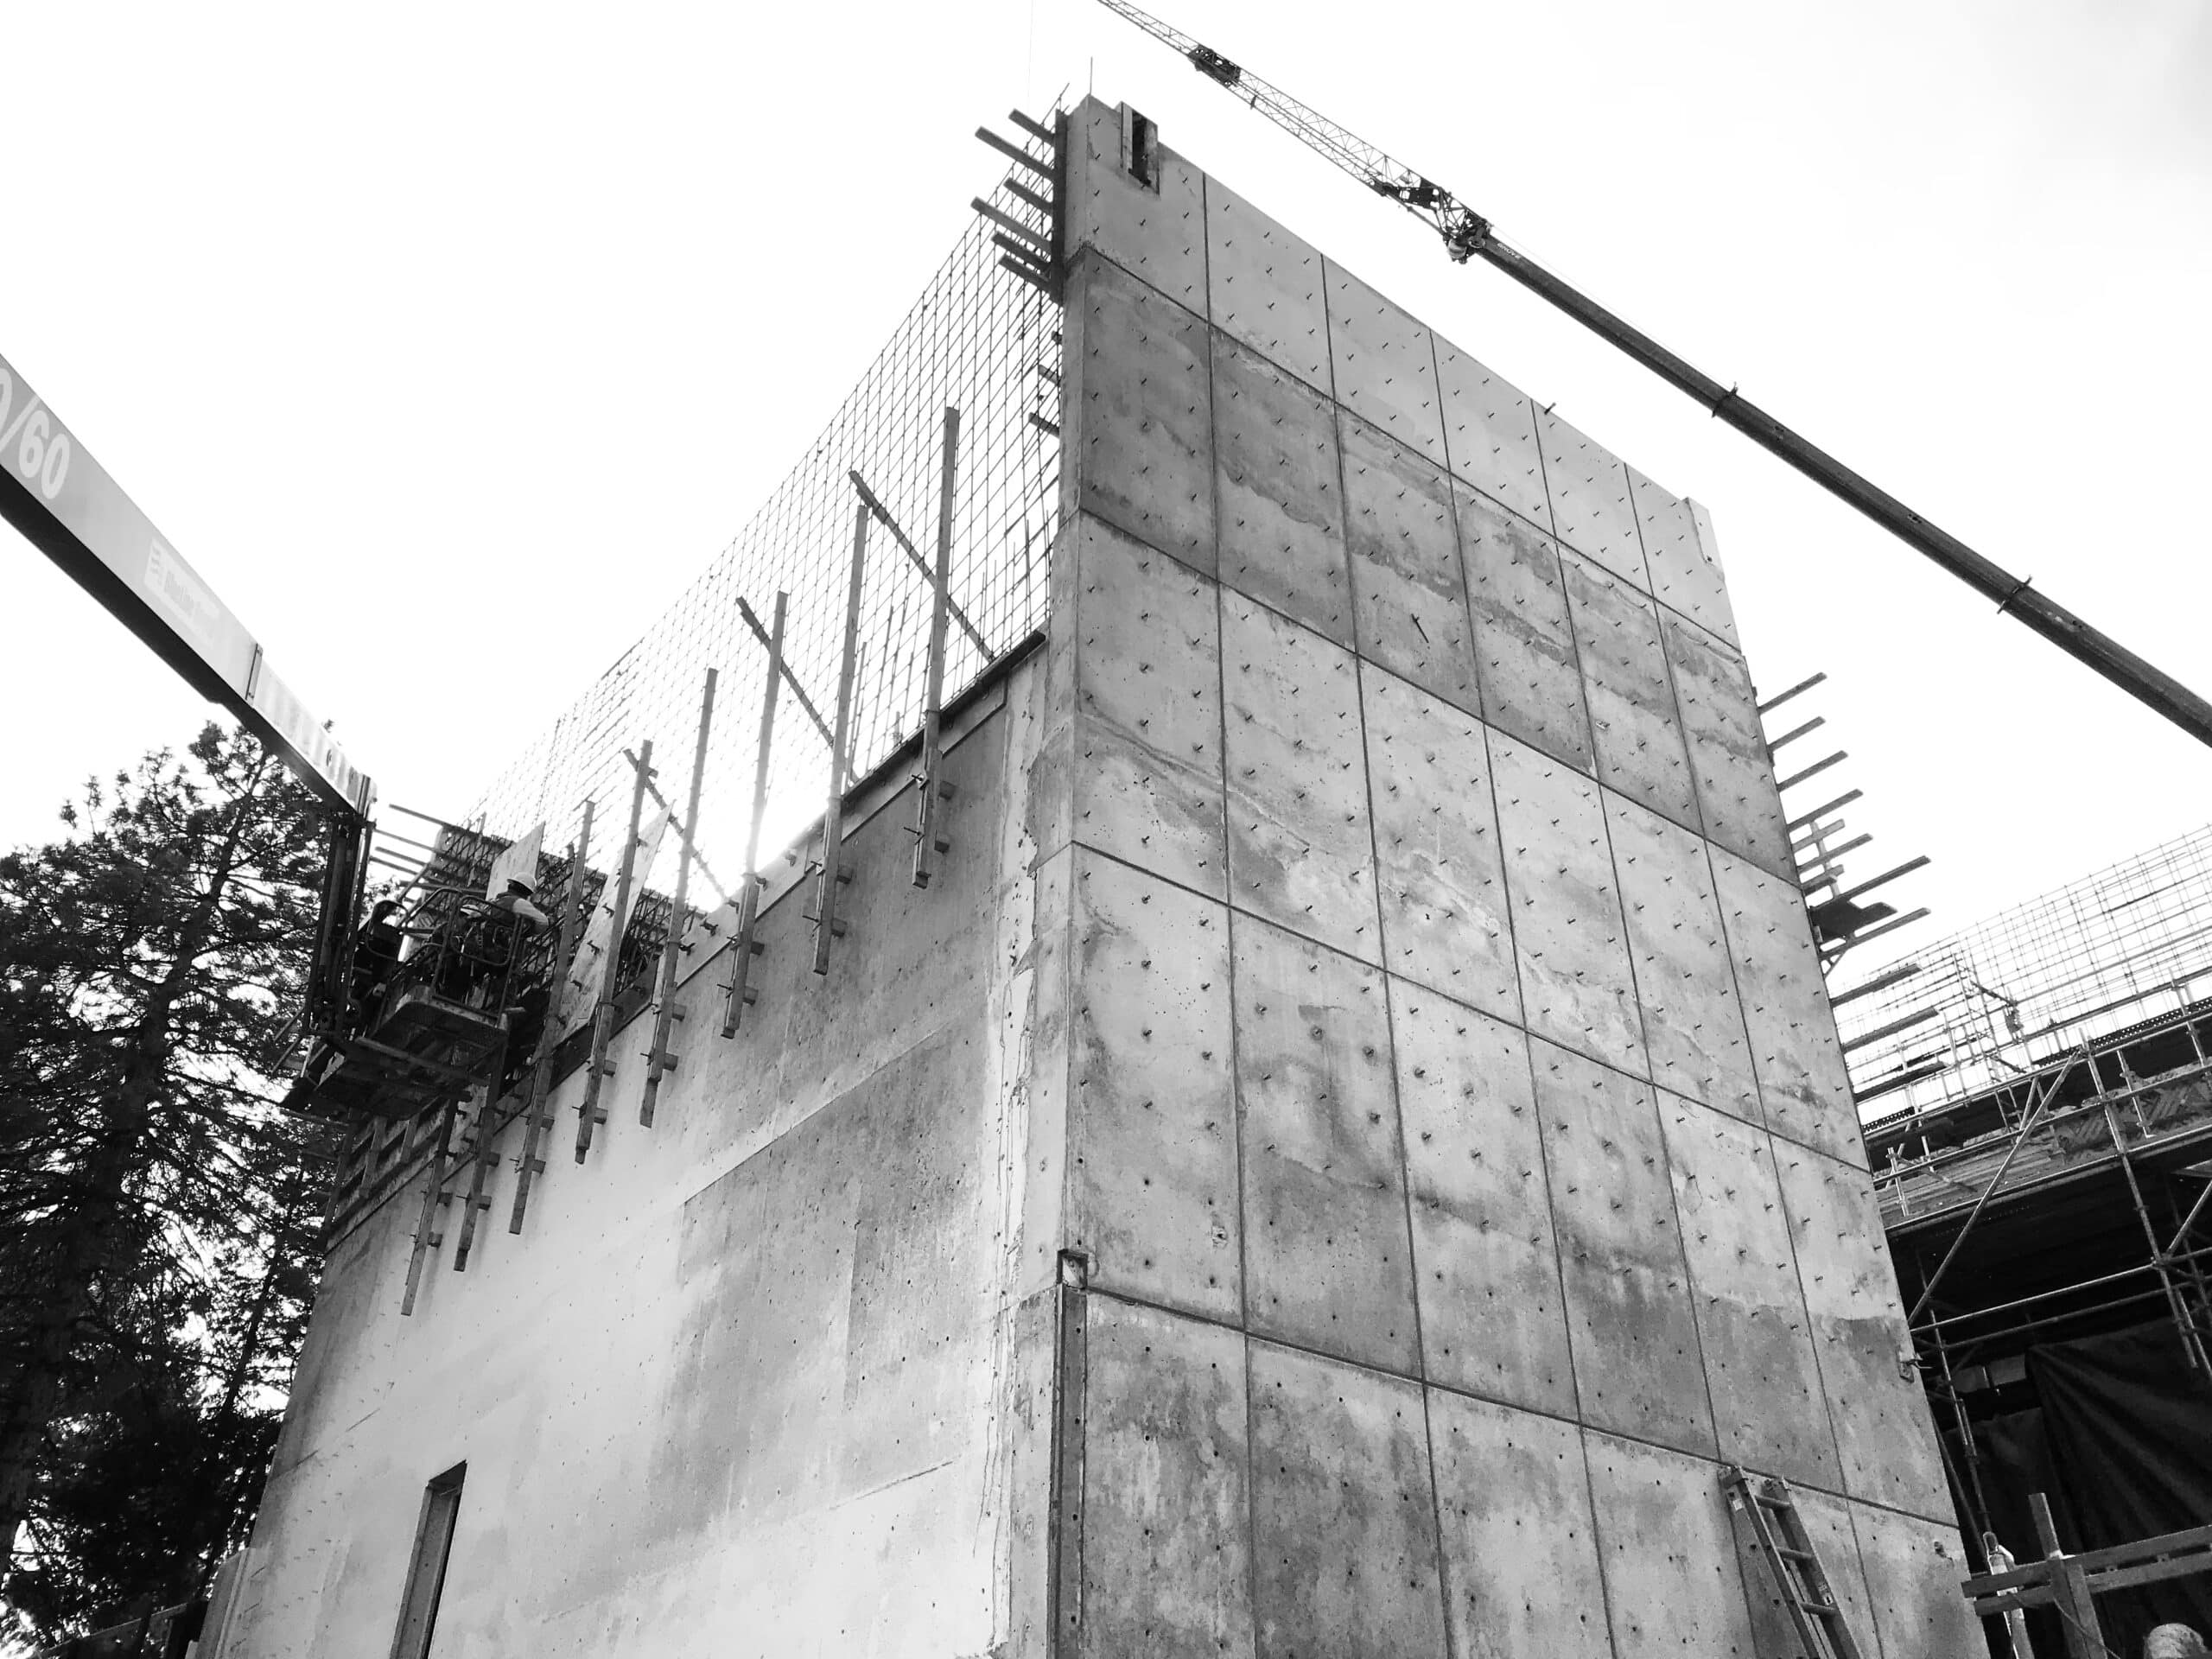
{"x": 538, "y": 1119}
{"x": 589, "y": 1113}
{"x": 1036, "y": 255}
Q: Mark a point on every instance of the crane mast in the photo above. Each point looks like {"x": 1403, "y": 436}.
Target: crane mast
{"x": 1467, "y": 235}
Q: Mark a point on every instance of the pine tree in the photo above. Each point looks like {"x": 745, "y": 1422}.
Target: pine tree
{"x": 160, "y": 1210}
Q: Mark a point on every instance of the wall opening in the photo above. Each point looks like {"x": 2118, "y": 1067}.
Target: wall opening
{"x": 426, "y": 1566}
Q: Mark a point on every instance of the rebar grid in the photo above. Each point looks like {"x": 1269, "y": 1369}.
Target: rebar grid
{"x": 979, "y": 338}
{"x": 2127, "y": 944}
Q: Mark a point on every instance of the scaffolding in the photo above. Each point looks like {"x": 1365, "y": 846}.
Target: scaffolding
{"x": 1992, "y": 1006}
{"x": 2046, "y": 1161}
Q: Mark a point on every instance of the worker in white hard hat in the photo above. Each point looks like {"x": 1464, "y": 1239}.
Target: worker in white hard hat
{"x": 2174, "y": 1641}
{"x": 516, "y": 901}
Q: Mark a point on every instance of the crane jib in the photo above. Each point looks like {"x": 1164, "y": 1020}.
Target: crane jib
{"x": 1467, "y": 235}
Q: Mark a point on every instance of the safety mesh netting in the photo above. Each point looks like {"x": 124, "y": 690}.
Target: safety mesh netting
{"x": 980, "y": 340}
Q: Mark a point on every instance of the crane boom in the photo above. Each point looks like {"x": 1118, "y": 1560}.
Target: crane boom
{"x": 1467, "y": 235}
{"x": 67, "y": 506}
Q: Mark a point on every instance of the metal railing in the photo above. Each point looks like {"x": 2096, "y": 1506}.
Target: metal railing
{"x": 1992, "y": 1005}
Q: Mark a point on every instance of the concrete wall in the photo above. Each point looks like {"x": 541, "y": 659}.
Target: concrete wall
{"x": 759, "y": 1379}
{"x": 1352, "y": 1145}
{"x": 1459, "y": 1145}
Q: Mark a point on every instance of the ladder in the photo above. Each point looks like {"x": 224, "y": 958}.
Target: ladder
{"x": 1767, "y": 1502}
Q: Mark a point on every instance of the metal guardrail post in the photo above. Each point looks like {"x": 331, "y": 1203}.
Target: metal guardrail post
{"x": 533, "y": 1164}
{"x": 659, "y": 1062}
{"x": 589, "y": 1112}
{"x": 928, "y": 786}
{"x": 736, "y": 995}
{"x": 826, "y": 923}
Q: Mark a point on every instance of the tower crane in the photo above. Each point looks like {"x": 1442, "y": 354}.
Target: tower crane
{"x": 1467, "y": 235}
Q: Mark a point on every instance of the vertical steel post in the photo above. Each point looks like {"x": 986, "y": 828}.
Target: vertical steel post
{"x": 929, "y": 787}
{"x": 480, "y": 1160}
{"x": 2192, "y": 1346}
{"x": 1970, "y": 1489}
{"x": 826, "y": 923}
{"x": 2070, "y": 1583}
{"x": 736, "y": 995}
{"x": 2192, "y": 1275}
{"x": 345, "y": 865}
{"x": 433, "y": 1196}
{"x": 589, "y": 1112}
{"x": 659, "y": 1062}
{"x": 572, "y": 910}
{"x": 1071, "y": 1388}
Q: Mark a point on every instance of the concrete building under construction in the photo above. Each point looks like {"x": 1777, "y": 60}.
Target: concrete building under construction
{"x": 2039, "y": 1099}
{"x": 1287, "y": 1105}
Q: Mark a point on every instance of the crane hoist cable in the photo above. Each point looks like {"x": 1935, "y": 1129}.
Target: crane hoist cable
{"x": 1467, "y": 235}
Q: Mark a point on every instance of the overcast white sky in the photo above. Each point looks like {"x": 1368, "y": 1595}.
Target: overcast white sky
{"x": 448, "y": 342}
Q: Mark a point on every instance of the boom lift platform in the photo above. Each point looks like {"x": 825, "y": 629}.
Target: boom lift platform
{"x": 439, "y": 1024}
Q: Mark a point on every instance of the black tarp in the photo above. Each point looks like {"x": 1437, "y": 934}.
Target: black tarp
{"x": 2120, "y": 1442}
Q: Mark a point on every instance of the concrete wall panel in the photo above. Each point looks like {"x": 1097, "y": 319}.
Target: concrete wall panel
{"x": 1157, "y": 231}
{"x": 1268, "y": 287}
{"x": 1146, "y": 422}
{"x": 1678, "y": 551}
{"x": 336, "y": 1381}
{"x": 1407, "y": 598}
{"x": 1148, "y": 682}
{"x": 1914, "y": 1569}
{"x": 906, "y": 956}
{"x": 1343, "y": 1519}
{"x": 1637, "y": 1366}
{"x": 1794, "y": 1051}
{"x": 1442, "y": 879}
{"x": 1487, "y": 1266}
{"x": 1153, "y": 1172}
{"x": 1691, "y": 1020}
{"x": 1490, "y": 431}
{"x": 1327, "y": 1264}
{"x": 1735, "y": 780}
{"x": 1525, "y": 656}
{"x": 1751, "y": 1323}
{"x": 1520, "y": 1556}
{"x": 1165, "y": 1516}
{"x": 1282, "y": 539}
{"x": 1882, "y": 1426}
{"x": 1591, "y": 510}
{"x": 1300, "y": 851}
{"x": 1639, "y": 741}
{"x": 755, "y": 1349}
{"x": 1568, "y": 933}
{"x": 1672, "y": 1574}
{"x": 1385, "y": 364}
